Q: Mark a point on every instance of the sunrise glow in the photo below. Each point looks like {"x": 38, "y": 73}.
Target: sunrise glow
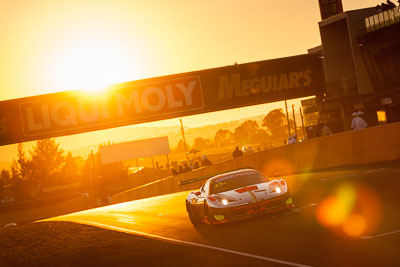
{"x": 89, "y": 65}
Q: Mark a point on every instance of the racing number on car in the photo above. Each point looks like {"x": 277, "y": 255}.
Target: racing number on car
{"x": 216, "y": 185}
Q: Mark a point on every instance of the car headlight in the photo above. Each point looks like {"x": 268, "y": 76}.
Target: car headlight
{"x": 278, "y": 189}
{"x": 224, "y": 199}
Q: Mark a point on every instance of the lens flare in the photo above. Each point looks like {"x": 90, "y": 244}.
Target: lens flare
{"x": 354, "y": 225}
{"x": 352, "y": 210}
{"x": 333, "y": 210}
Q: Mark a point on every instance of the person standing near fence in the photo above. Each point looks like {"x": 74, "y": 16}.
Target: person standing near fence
{"x": 237, "y": 152}
{"x": 358, "y": 123}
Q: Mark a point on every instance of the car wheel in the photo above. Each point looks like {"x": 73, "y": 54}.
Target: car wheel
{"x": 192, "y": 216}
{"x": 209, "y": 215}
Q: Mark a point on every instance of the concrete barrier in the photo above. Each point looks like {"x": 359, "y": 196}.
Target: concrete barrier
{"x": 371, "y": 145}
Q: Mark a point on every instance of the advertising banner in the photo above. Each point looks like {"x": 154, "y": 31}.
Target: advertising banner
{"x": 134, "y": 149}
{"x": 159, "y": 98}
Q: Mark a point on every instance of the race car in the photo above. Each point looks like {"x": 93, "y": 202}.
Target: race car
{"x": 237, "y": 195}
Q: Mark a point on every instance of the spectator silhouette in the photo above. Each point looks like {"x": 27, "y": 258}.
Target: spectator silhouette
{"x": 196, "y": 165}
{"x": 325, "y": 130}
{"x": 390, "y": 4}
{"x": 237, "y": 152}
{"x": 358, "y": 123}
{"x": 174, "y": 172}
{"x": 310, "y": 132}
{"x": 206, "y": 161}
{"x": 186, "y": 168}
{"x": 292, "y": 139}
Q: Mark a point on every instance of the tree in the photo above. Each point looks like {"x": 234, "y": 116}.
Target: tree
{"x": 46, "y": 164}
{"x": 246, "y": 132}
{"x": 47, "y": 161}
{"x": 275, "y": 121}
{"x": 70, "y": 169}
{"x": 223, "y": 138}
{"x": 180, "y": 147}
{"x": 239, "y": 135}
{"x": 5, "y": 179}
{"x": 201, "y": 143}
{"x": 20, "y": 168}
{"x": 261, "y": 136}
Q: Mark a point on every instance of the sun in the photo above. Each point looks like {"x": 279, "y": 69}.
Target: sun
{"x": 90, "y": 65}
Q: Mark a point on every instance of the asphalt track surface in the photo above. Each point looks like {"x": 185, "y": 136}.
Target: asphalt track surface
{"x": 342, "y": 217}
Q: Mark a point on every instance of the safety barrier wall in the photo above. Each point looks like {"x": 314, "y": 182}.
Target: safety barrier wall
{"x": 371, "y": 145}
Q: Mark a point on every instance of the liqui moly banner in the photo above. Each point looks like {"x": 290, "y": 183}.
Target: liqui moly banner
{"x": 159, "y": 98}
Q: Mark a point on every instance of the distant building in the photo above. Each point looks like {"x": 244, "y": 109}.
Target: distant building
{"x": 360, "y": 53}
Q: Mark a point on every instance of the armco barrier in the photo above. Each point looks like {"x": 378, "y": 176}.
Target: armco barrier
{"x": 371, "y": 145}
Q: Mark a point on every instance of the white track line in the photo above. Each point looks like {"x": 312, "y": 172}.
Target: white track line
{"x": 375, "y": 236}
{"x": 192, "y": 243}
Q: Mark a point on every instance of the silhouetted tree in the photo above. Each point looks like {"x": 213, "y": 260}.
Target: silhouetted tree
{"x": 71, "y": 168}
{"x": 46, "y": 164}
{"x": 47, "y": 161}
{"x": 240, "y": 136}
{"x": 20, "y": 168}
{"x": 261, "y": 136}
{"x": 201, "y": 143}
{"x": 5, "y": 179}
{"x": 223, "y": 138}
{"x": 246, "y": 132}
{"x": 275, "y": 121}
{"x": 180, "y": 147}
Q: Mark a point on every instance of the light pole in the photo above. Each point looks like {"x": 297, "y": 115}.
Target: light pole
{"x": 184, "y": 141}
{"x": 93, "y": 170}
{"x": 294, "y": 121}
{"x": 302, "y": 123}
{"x": 287, "y": 117}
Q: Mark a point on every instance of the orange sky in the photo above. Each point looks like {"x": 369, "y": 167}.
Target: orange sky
{"x": 52, "y": 45}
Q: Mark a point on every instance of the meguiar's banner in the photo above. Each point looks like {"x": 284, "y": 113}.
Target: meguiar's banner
{"x": 159, "y": 98}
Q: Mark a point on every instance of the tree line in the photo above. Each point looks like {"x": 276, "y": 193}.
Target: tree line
{"x": 48, "y": 164}
{"x": 249, "y": 132}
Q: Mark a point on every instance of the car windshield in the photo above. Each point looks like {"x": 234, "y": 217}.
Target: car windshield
{"x": 236, "y": 180}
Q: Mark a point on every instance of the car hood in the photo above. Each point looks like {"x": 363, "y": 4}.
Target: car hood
{"x": 248, "y": 194}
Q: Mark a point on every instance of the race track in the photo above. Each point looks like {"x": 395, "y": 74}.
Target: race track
{"x": 342, "y": 217}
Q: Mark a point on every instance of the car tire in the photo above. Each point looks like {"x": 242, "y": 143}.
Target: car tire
{"x": 209, "y": 215}
{"x": 192, "y": 216}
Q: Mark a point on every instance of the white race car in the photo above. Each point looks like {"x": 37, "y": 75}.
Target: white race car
{"x": 237, "y": 195}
